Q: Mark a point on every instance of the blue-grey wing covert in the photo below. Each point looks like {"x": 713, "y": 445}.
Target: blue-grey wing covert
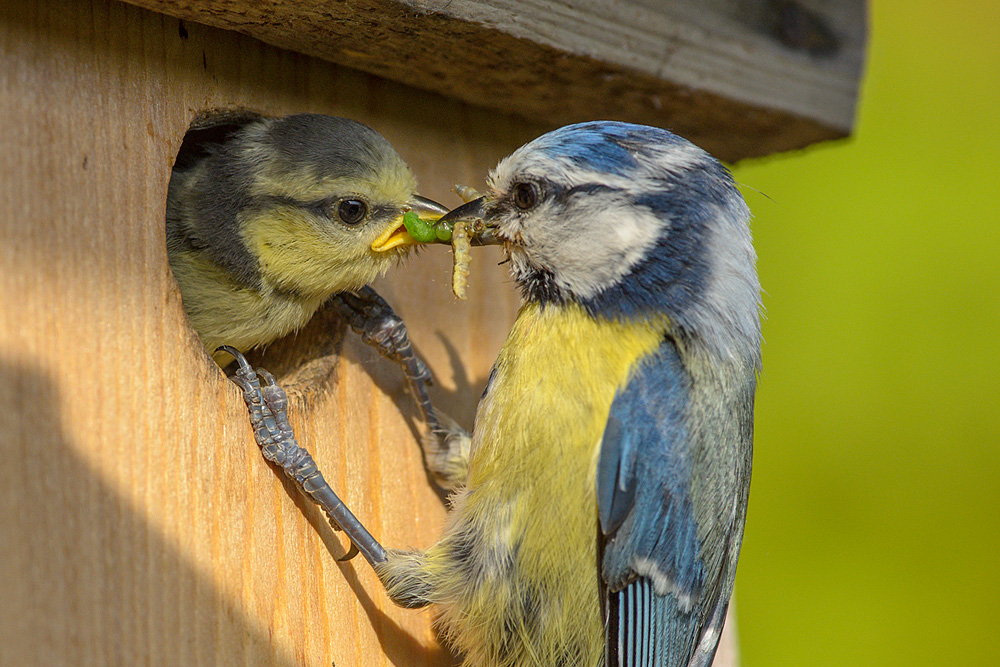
{"x": 660, "y": 595}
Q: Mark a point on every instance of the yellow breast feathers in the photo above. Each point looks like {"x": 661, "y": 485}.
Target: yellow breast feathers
{"x": 553, "y": 383}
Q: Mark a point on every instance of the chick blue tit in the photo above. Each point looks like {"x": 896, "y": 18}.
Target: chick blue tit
{"x": 601, "y": 512}
{"x": 269, "y": 217}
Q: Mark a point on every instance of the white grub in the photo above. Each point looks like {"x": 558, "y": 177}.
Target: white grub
{"x": 462, "y": 247}
{"x": 466, "y": 193}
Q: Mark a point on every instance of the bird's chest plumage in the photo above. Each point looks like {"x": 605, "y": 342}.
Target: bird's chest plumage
{"x": 527, "y": 521}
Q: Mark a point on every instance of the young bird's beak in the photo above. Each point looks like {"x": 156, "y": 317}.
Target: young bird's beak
{"x": 474, "y": 213}
{"x": 396, "y": 235}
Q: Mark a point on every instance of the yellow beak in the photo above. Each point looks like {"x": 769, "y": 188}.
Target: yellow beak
{"x": 396, "y": 235}
{"x": 393, "y": 237}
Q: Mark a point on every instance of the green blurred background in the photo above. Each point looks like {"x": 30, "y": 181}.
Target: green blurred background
{"x": 874, "y": 526}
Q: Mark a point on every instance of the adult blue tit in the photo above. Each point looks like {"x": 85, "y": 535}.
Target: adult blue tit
{"x": 269, "y": 217}
{"x": 602, "y": 507}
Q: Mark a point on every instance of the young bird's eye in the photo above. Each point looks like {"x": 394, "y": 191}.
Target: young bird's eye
{"x": 525, "y": 195}
{"x": 351, "y": 211}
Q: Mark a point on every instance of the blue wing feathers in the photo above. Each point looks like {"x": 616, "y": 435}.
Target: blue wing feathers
{"x": 648, "y": 630}
{"x": 652, "y": 561}
{"x": 643, "y": 476}
{"x": 615, "y": 492}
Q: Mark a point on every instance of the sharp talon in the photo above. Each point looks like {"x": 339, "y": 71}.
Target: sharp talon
{"x": 350, "y": 554}
{"x": 237, "y": 355}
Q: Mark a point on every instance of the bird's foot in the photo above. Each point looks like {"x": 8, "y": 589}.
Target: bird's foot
{"x": 446, "y": 445}
{"x": 268, "y": 406}
{"x": 373, "y": 318}
{"x": 370, "y": 316}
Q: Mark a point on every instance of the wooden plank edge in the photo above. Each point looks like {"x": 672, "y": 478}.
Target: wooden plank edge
{"x": 459, "y": 59}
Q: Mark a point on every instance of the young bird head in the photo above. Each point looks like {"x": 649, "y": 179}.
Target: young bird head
{"x": 628, "y": 221}
{"x": 305, "y": 205}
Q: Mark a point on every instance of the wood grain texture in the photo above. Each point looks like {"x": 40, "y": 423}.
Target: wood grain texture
{"x": 741, "y": 78}
{"x": 140, "y": 525}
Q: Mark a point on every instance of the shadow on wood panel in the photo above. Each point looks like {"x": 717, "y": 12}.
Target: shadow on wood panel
{"x": 82, "y": 568}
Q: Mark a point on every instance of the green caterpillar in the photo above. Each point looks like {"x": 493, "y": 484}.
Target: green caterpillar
{"x": 424, "y": 231}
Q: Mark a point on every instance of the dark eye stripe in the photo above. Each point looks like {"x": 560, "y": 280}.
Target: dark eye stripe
{"x": 318, "y": 207}
{"x": 588, "y": 189}
{"x": 321, "y": 207}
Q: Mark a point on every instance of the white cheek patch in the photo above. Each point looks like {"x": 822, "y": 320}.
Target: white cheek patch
{"x": 587, "y": 245}
{"x": 593, "y": 244}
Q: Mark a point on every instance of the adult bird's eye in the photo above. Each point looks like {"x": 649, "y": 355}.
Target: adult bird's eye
{"x": 525, "y": 196}
{"x": 352, "y": 211}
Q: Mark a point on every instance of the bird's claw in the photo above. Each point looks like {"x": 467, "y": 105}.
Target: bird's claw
{"x": 373, "y": 319}
{"x": 268, "y": 407}
{"x": 351, "y": 553}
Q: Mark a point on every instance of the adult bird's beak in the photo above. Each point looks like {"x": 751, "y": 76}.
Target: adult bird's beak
{"x": 474, "y": 213}
{"x": 396, "y": 235}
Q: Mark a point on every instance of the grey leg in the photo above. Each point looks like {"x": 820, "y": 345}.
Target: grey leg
{"x": 274, "y": 435}
{"x": 402, "y": 572}
{"x": 446, "y": 445}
